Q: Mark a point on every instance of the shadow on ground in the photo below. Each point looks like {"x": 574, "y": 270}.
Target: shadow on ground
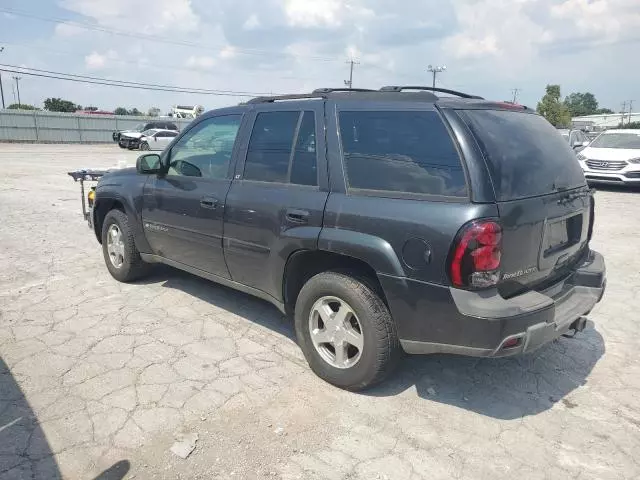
{"x": 24, "y": 450}
{"x": 504, "y": 388}
{"x": 238, "y": 303}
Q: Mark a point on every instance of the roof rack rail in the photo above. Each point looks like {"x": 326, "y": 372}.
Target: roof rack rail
{"x": 395, "y": 88}
{"x": 342, "y": 89}
{"x": 293, "y": 96}
{"x": 317, "y": 93}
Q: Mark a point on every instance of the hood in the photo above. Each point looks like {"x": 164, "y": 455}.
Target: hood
{"x": 131, "y": 134}
{"x": 610, "y": 153}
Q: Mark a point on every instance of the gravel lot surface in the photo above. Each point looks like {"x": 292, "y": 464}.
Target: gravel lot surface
{"x": 98, "y": 377}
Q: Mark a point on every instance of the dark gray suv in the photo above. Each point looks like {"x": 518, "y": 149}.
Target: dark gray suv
{"x": 382, "y": 221}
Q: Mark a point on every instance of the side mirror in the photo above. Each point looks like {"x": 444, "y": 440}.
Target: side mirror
{"x": 148, "y": 163}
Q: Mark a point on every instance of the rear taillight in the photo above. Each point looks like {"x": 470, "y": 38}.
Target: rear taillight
{"x": 475, "y": 257}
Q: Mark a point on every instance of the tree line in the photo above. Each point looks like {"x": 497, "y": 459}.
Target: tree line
{"x": 67, "y": 106}
{"x": 559, "y": 112}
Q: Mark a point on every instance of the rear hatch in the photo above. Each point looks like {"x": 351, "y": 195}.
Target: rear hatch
{"x": 544, "y": 203}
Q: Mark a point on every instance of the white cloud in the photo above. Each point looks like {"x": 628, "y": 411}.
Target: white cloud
{"x": 252, "y": 22}
{"x": 98, "y": 61}
{"x": 228, "y": 52}
{"x": 155, "y": 17}
{"x": 465, "y": 46}
{"x": 313, "y": 13}
{"x": 67, "y": 30}
{"x": 204, "y": 62}
{"x": 600, "y": 20}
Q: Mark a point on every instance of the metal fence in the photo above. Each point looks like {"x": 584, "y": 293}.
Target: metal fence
{"x": 55, "y": 127}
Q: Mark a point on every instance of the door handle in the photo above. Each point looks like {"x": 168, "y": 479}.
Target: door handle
{"x": 209, "y": 202}
{"x": 297, "y": 216}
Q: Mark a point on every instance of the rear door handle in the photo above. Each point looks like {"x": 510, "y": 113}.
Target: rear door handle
{"x": 294, "y": 215}
{"x": 209, "y": 202}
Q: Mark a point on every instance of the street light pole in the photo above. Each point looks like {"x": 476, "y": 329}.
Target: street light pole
{"x": 435, "y": 71}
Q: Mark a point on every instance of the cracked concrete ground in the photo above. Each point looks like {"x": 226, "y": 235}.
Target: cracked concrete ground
{"x": 97, "y": 377}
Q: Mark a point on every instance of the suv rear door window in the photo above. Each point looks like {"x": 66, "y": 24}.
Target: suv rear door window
{"x": 525, "y": 155}
{"x": 282, "y": 148}
{"x": 400, "y": 151}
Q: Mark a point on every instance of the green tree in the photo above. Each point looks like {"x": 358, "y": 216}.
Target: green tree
{"x": 580, "y": 104}
{"x": 90, "y": 109}
{"x": 154, "y": 112}
{"x": 22, "y": 106}
{"x": 120, "y": 111}
{"x": 135, "y": 111}
{"x": 60, "y": 105}
{"x": 551, "y": 108}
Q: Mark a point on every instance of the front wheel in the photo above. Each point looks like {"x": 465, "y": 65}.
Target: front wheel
{"x": 345, "y": 331}
{"x": 144, "y": 146}
{"x": 119, "y": 249}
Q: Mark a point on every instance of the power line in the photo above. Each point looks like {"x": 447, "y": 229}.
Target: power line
{"x": 78, "y": 80}
{"x": 122, "y": 83}
{"x": 156, "y": 38}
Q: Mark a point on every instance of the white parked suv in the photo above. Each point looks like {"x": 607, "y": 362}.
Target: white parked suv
{"x": 613, "y": 157}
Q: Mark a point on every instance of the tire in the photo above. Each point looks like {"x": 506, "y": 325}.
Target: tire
{"x": 380, "y": 350}
{"x": 131, "y": 267}
{"x": 144, "y": 146}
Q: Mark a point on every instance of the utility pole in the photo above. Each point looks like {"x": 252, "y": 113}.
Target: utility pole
{"x": 624, "y": 110}
{"x": 630, "y": 110}
{"x": 435, "y": 71}
{"x": 1, "y": 89}
{"x": 17, "y": 79}
{"x": 515, "y": 92}
{"x": 352, "y": 62}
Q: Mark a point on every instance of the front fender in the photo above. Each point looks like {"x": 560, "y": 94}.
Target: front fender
{"x": 124, "y": 192}
{"x": 374, "y": 251}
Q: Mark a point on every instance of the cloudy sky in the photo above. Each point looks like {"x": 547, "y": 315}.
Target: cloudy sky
{"x": 488, "y": 46}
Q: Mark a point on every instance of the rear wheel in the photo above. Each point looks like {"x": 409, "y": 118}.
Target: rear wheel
{"x": 119, "y": 249}
{"x": 345, "y": 331}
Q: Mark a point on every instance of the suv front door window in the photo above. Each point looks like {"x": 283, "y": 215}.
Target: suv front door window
{"x": 183, "y": 209}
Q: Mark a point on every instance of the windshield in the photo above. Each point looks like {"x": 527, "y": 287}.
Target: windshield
{"x": 525, "y": 155}
{"x": 139, "y": 127}
{"x": 148, "y": 133}
{"x": 617, "y": 140}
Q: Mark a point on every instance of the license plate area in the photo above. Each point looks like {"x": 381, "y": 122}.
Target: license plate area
{"x": 562, "y": 234}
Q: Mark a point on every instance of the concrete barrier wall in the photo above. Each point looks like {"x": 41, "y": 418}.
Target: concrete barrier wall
{"x": 54, "y": 127}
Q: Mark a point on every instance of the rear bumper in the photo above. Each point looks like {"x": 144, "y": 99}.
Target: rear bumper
{"x": 435, "y": 319}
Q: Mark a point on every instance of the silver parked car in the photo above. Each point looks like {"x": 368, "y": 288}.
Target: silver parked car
{"x": 156, "y": 139}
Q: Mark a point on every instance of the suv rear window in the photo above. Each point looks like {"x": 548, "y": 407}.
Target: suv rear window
{"x": 400, "y": 151}
{"x": 525, "y": 155}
